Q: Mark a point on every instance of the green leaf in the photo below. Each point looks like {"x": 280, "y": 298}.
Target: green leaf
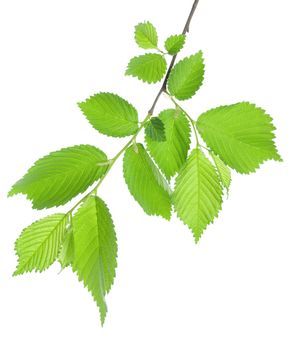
{"x": 242, "y": 135}
{"x": 223, "y": 171}
{"x": 66, "y": 254}
{"x": 171, "y": 154}
{"x": 175, "y": 43}
{"x": 110, "y": 114}
{"x": 95, "y": 251}
{"x": 146, "y": 35}
{"x": 145, "y": 182}
{"x": 150, "y": 67}
{"x": 60, "y": 176}
{"x": 187, "y": 77}
{"x": 155, "y": 130}
{"x": 39, "y": 244}
{"x": 198, "y": 193}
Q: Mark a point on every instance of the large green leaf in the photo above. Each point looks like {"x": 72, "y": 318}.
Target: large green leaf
{"x": 175, "y": 43}
{"x": 60, "y": 176}
{"x": 150, "y": 67}
{"x": 187, "y": 77}
{"x": 146, "y": 35}
{"x": 110, "y": 114}
{"x": 39, "y": 244}
{"x": 95, "y": 249}
{"x": 241, "y": 134}
{"x": 145, "y": 182}
{"x": 171, "y": 154}
{"x": 198, "y": 193}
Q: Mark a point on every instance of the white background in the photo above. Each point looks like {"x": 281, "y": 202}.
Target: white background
{"x": 229, "y": 291}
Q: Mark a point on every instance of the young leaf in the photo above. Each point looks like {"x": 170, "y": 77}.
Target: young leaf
{"x": 241, "y": 134}
{"x": 171, "y": 154}
{"x": 39, "y": 244}
{"x": 155, "y": 130}
{"x": 145, "y": 182}
{"x": 149, "y": 68}
{"x": 95, "y": 249}
{"x": 146, "y": 36}
{"x": 66, "y": 254}
{"x": 223, "y": 171}
{"x": 198, "y": 193}
{"x": 110, "y": 114}
{"x": 175, "y": 43}
{"x": 186, "y": 77}
{"x": 60, "y": 176}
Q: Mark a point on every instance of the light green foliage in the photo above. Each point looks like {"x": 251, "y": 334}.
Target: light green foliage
{"x": 155, "y": 130}
{"x": 241, "y": 134}
{"x": 187, "y": 77}
{"x": 175, "y": 44}
{"x": 146, "y": 36}
{"x": 171, "y": 154}
{"x": 110, "y": 114}
{"x": 39, "y": 244}
{"x": 223, "y": 171}
{"x": 198, "y": 193}
{"x": 95, "y": 249}
{"x": 150, "y": 67}
{"x": 60, "y": 176}
{"x": 145, "y": 182}
{"x": 66, "y": 254}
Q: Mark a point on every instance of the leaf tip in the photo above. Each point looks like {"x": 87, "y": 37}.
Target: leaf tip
{"x": 11, "y": 193}
{"x": 17, "y": 272}
{"x": 197, "y": 235}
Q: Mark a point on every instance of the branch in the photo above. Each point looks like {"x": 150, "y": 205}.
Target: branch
{"x": 150, "y": 113}
{"x": 187, "y": 25}
{"x": 164, "y": 86}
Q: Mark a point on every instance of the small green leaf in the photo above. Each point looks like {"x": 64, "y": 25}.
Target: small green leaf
{"x": 242, "y": 135}
{"x": 187, "y": 77}
{"x": 149, "y": 68}
{"x": 57, "y": 178}
{"x": 66, "y": 254}
{"x": 110, "y": 114}
{"x": 155, "y": 130}
{"x": 175, "y": 44}
{"x": 95, "y": 249}
{"x": 39, "y": 244}
{"x": 146, "y": 35}
{"x": 171, "y": 154}
{"x": 223, "y": 171}
{"x": 145, "y": 182}
{"x": 198, "y": 193}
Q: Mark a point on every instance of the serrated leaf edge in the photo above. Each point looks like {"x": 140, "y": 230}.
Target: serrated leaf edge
{"x": 143, "y": 80}
{"x": 135, "y": 39}
{"x": 36, "y": 270}
{"x": 278, "y": 159}
{"x": 204, "y": 71}
{"x": 175, "y": 36}
{"x": 115, "y": 95}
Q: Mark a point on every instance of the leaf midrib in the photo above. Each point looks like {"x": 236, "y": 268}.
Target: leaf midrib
{"x": 69, "y": 172}
{"x": 232, "y": 138}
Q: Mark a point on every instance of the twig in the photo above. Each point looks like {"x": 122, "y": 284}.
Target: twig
{"x": 187, "y": 25}
{"x": 164, "y": 86}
